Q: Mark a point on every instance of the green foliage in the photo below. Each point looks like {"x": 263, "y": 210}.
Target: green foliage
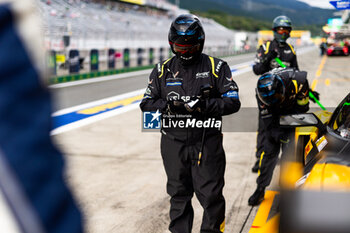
{"x": 249, "y": 24}
{"x": 316, "y": 30}
{"x": 253, "y": 15}
{"x": 265, "y": 10}
{"x": 235, "y": 22}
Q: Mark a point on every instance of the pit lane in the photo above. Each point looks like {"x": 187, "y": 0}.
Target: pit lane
{"x": 116, "y": 171}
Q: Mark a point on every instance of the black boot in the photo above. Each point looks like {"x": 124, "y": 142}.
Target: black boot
{"x": 255, "y": 168}
{"x": 257, "y": 196}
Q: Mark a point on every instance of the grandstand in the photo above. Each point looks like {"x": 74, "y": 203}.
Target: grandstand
{"x": 84, "y": 25}
{"x": 116, "y": 24}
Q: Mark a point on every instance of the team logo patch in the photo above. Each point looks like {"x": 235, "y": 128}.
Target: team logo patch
{"x": 202, "y": 75}
{"x": 173, "y": 96}
{"x": 231, "y": 94}
{"x": 218, "y": 66}
{"x": 148, "y": 91}
{"x": 174, "y": 83}
{"x": 229, "y": 79}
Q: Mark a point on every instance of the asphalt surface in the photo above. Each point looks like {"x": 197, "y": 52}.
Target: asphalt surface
{"x": 116, "y": 171}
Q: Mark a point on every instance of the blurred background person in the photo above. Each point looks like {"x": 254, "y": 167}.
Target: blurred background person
{"x": 323, "y": 47}
{"x": 34, "y": 193}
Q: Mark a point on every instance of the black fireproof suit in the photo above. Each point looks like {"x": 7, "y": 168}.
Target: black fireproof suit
{"x": 264, "y": 63}
{"x": 296, "y": 101}
{"x": 170, "y": 80}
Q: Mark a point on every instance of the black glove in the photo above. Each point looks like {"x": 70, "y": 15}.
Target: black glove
{"x": 316, "y": 94}
{"x": 176, "y": 107}
{"x": 271, "y": 55}
{"x": 195, "y": 105}
{"x": 198, "y": 103}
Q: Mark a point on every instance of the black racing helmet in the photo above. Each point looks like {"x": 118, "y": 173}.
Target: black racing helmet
{"x": 282, "y": 26}
{"x": 186, "y": 38}
{"x": 343, "y": 121}
{"x": 271, "y": 89}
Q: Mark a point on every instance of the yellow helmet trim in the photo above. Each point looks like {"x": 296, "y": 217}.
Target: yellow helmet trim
{"x": 303, "y": 101}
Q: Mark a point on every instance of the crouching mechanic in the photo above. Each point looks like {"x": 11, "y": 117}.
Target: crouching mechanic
{"x": 265, "y": 61}
{"x": 279, "y": 92}
{"x": 197, "y": 86}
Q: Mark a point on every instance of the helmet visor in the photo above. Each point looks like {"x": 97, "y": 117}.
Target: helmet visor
{"x": 270, "y": 89}
{"x": 186, "y": 48}
{"x": 283, "y": 30}
{"x": 271, "y": 98}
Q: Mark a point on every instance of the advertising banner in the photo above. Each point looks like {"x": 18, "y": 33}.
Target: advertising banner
{"x": 94, "y": 60}
{"x": 60, "y": 58}
{"x": 111, "y": 59}
{"x": 151, "y": 56}
{"x": 139, "y": 56}
{"x": 161, "y": 55}
{"x": 51, "y": 62}
{"x": 126, "y": 57}
{"x": 341, "y": 5}
{"x": 74, "y": 65}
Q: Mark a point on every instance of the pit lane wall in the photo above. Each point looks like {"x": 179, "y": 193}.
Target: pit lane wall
{"x": 72, "y": 65}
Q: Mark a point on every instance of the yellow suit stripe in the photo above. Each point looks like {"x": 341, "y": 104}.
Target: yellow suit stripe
{"x": 267, "y": 47}
{"x": 163, "y": 68}
{"x": 213, "y": 66}
{"x": 291, "y": 47}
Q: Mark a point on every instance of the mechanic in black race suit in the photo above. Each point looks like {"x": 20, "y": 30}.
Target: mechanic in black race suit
{"x": 265, "y": 61}
{"x": 280, "y": 92}
{"x": 174, "y": 88}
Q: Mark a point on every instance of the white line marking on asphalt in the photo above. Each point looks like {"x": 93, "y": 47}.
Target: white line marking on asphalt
{"x": 248, "y": 63}
{"x": 95, "y": 118}
{"x": 99, "y": 102}
{"x": 242, "y": 71}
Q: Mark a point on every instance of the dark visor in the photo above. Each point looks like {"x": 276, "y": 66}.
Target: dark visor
{"x": 186, "y": 48}
{"x": 283, "y": 30}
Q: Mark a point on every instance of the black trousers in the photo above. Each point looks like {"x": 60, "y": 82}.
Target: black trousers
{"x": 273, "y": 142}
{"x": 186, "y": 177}
{"x": 260, "y": 139}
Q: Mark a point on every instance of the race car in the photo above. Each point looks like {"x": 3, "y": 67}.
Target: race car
{"x": 315, "y": 177}
{"x": 338, "y": 49}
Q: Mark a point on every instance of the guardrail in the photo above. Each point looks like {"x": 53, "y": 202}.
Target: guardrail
{"x": 76, "y": 77}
